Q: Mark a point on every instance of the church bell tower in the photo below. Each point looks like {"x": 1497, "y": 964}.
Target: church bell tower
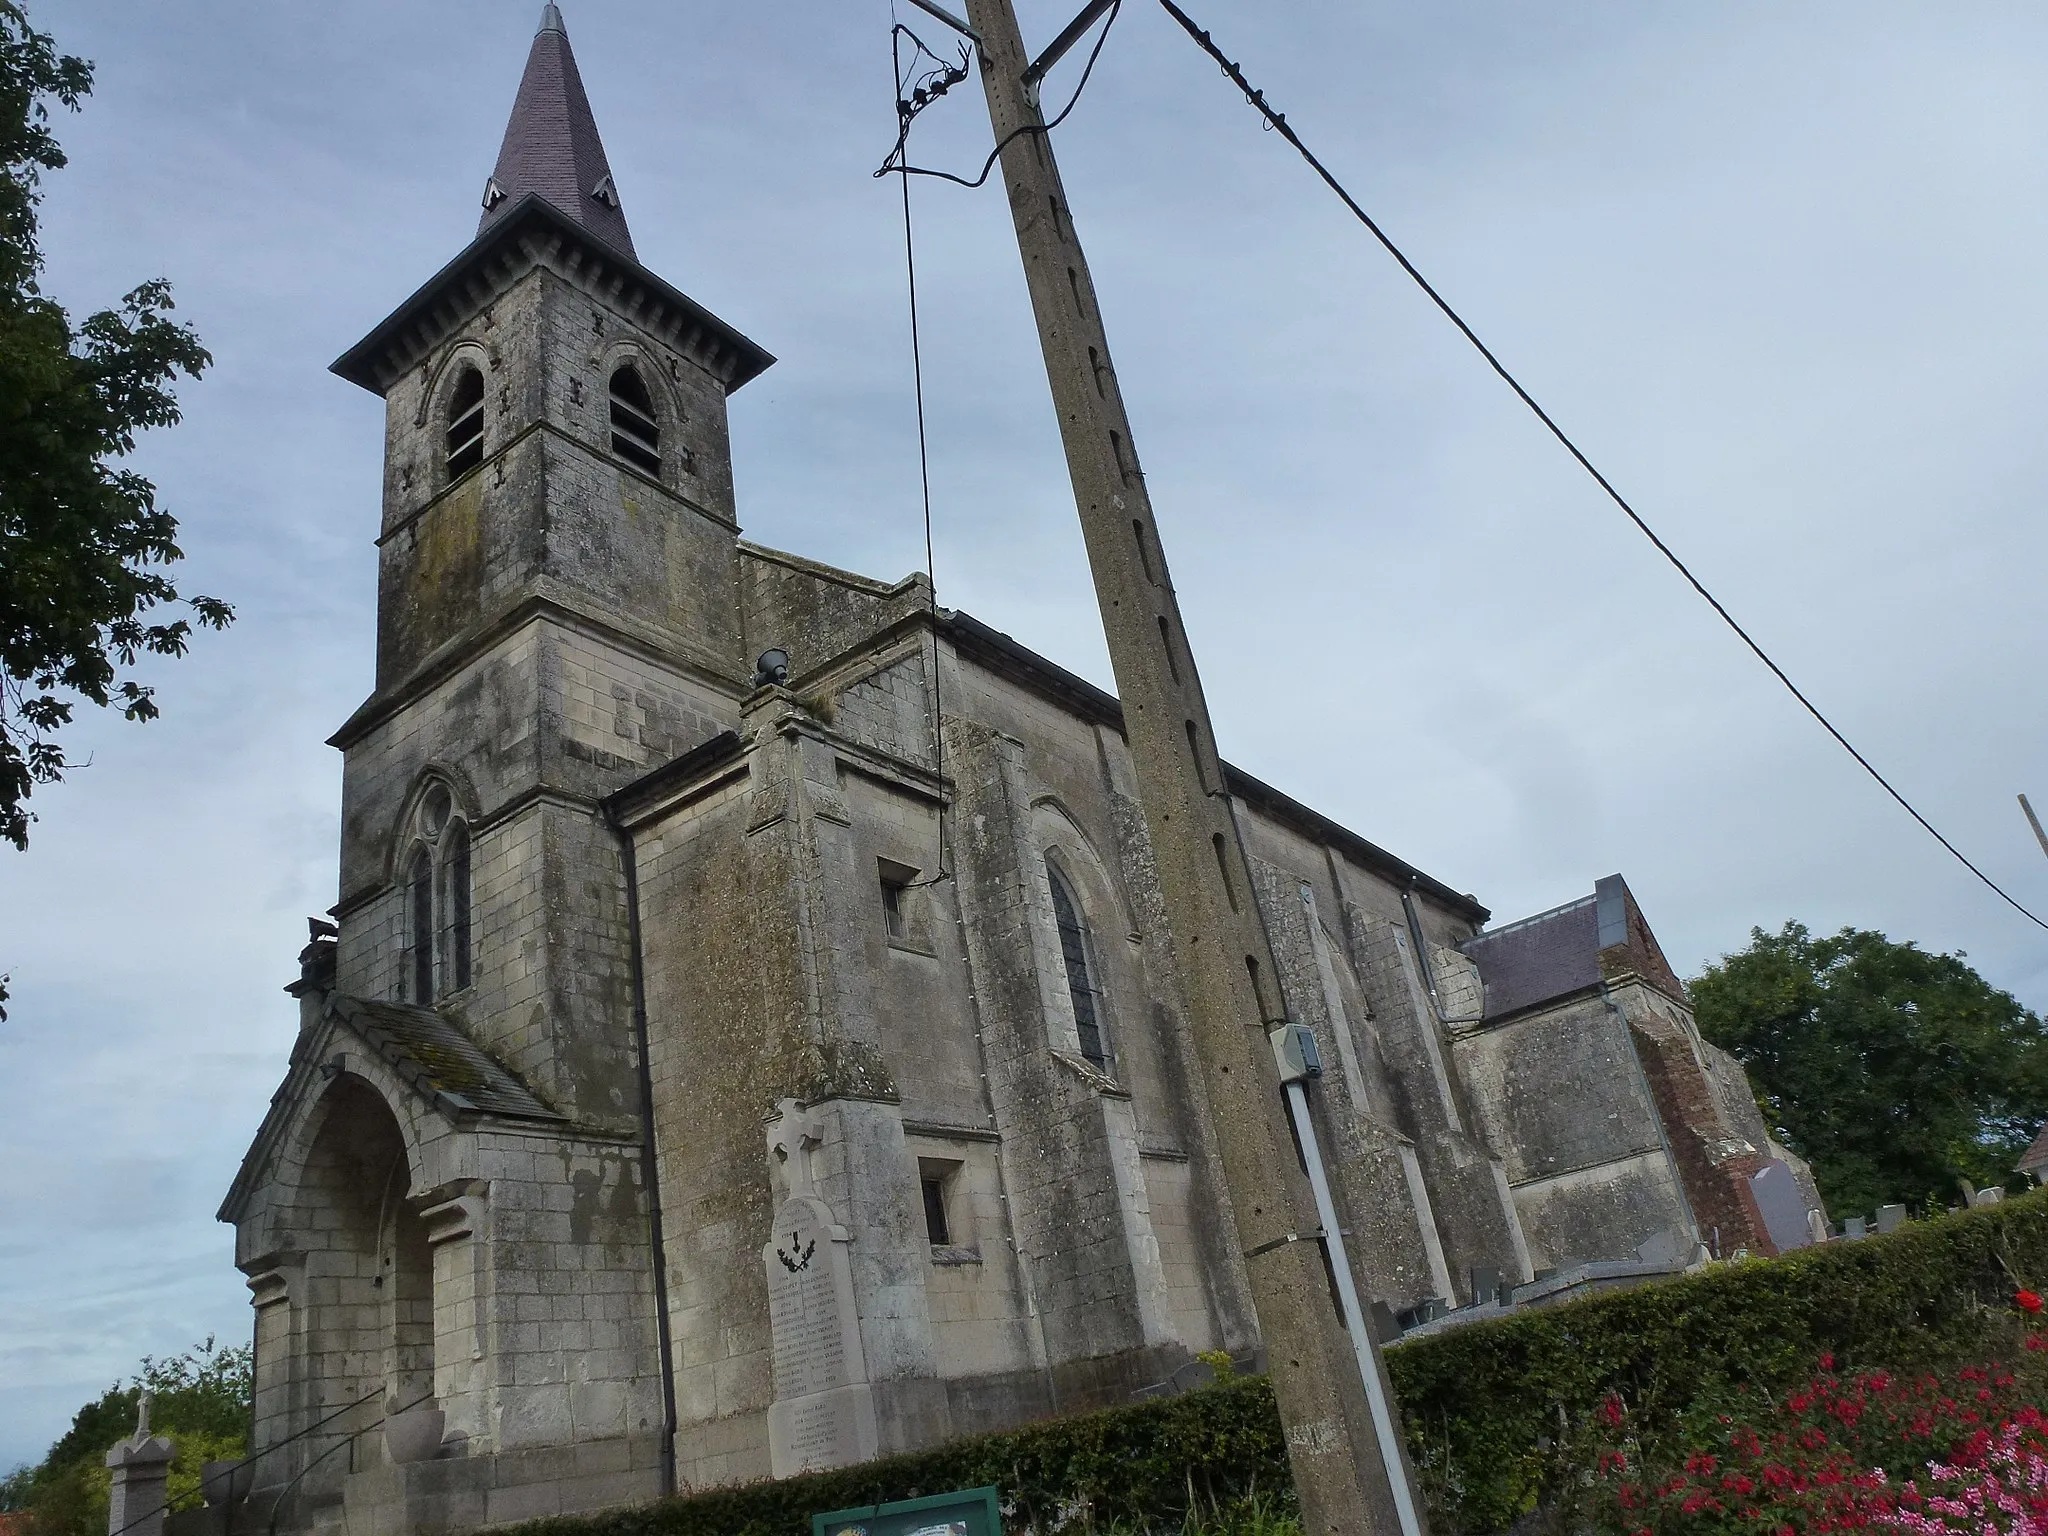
{"x": 558, "y": 606}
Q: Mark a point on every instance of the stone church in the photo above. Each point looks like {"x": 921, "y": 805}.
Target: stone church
{"x": 747, "y": 1039}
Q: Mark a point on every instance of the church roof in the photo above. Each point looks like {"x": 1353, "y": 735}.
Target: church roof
{"x": 552, "y": 146}
{"x": 439, "y": 1060}
{"x": 1570, "y": 949}
{"x": 425, "y": 1049}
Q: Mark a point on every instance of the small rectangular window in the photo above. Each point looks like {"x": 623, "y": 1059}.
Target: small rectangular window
{"x": 936, "y": 1227}
{"x": 899, "y": 898}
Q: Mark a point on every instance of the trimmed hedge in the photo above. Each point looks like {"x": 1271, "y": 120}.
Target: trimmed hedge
{"x": 1492, "y": 1409}
{"x": 1136, "y": 1464}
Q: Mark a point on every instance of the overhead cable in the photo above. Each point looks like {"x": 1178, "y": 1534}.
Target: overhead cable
{"x": 1278, "y": 122}
{"x": 898, "y": 162}
{"x": 916, "y": 90}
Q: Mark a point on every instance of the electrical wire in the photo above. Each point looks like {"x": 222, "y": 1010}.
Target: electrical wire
{"x": 1278, "y": 122}
{"x": 896, "y": 163}
{"x": 933, "y": 85}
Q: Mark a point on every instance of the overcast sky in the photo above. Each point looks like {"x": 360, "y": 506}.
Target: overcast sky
{"x": 1779, "y": 267}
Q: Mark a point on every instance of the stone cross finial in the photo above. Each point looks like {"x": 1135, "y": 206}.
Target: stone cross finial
{"x": 793, "y": 1135}
{"x": 143, "y": 1401}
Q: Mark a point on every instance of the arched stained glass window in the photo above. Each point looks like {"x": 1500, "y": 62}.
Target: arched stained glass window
{"x": 1074, "y": 954}
{"x": 466, "y": 424}
{"x": 436, "y": 882}
{"x": 454, "y": 895}
{"x": 636, "y": 434}
{"x": 419, "y": 886}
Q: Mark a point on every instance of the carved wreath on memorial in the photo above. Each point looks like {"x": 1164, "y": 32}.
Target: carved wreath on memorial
{"x": 802, "y": 1261}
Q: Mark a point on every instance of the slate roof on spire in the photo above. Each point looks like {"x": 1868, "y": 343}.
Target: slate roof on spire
{"x": 551, "y": 145}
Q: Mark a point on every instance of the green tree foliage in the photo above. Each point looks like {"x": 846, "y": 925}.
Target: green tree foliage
{"x": 1897, "y": 1073}
{"x": 84, "y": 548}
{"x": 200, "y": 1399}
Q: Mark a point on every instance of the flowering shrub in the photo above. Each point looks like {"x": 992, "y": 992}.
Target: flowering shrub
{"x": 2000, "y": 1485}
{"x": 1501, "y": 1415}
{"x": 1927, "y": 1454}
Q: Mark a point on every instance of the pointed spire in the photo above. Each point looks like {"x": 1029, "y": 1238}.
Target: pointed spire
{"x": 551, "y": 144}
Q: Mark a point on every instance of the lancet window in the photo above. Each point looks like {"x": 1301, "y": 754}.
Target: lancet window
{"x": 437, "y": 901}
{"x": 636, "y": 434}
{"x": 1081, "y": 988}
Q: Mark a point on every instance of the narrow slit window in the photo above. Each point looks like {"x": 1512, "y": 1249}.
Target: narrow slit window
{"x": 420, "y": 888}
{"x": 936, "y": 1228}
{"x": 466, "y": 424}
{"x": 1080, "y": 982}
{"x": 1223, "y": 868}
{"x": 636, "y": 436}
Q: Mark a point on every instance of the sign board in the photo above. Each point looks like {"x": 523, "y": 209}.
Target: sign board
{"x": 971, "y": 1512}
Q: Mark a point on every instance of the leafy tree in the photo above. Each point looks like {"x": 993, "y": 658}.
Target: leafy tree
{"x": 1897, "y": 1073}
{"x": 84, "y": 548}
{"x": 200, "y": 1399}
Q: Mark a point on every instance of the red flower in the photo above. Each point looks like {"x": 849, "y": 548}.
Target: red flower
{"x": 2027, "y": 1301}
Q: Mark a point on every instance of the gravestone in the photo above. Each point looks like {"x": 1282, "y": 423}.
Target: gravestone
{"x": 140, "y": 1468}
{"x": 824, "y": 1409}
{"x": 1890, "y": 1218}
{"x": 1781, "y": 1205}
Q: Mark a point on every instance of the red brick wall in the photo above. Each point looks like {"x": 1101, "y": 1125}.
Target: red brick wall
{"x": 1716, "y": 1182}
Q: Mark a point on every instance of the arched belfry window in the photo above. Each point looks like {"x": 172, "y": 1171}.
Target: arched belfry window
{"x": 466, "y": 424}
{"x": 1081, "y": 988}
{"x": 437, "y": 921}
{"x": 636, "y": 435}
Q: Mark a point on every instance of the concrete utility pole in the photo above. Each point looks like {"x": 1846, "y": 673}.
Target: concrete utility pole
{"x": 2034, "y": 822}
{"x": 1219, "y": 935}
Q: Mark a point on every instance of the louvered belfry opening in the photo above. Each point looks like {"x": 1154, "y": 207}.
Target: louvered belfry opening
{"x": 466, "y": 424}
{"x": 636, "y": 436}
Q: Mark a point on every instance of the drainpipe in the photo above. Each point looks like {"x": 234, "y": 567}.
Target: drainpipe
{"x": 649, "y": 1172}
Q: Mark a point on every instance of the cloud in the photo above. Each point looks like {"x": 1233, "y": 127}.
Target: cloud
{"x": 1775, "y": 266}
